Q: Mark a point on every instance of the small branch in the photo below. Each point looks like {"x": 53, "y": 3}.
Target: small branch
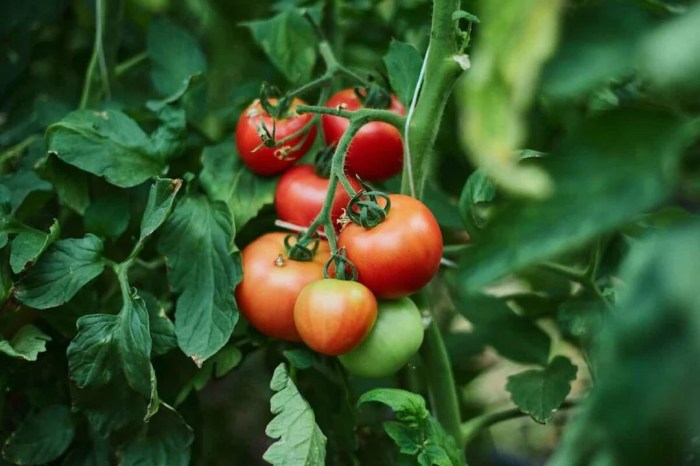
{"x": 129, "y": 63}
{"x": 18, "y": 149}
{"x": 97, "y": 58}
{"x": 473, "y": 427}
{"x": 364, "y": 115}
{"x": 573, "y": 274}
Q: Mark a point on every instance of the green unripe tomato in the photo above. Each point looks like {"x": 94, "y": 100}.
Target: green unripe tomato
{"x": 396, "y": 336}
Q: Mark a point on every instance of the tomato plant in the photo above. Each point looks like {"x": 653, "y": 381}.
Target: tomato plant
{"x": 269, "y": 160}
{"x": 333, "y": 316}
{"x": 174, "y": 290}
{"x": 400, "y": 255}
{"x": 395, "y": 337}
{"x": 376, "y": 151}
{"x": 271, "y": 283}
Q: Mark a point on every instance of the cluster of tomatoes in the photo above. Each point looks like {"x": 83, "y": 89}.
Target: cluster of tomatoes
{"x": 370, "y": 323}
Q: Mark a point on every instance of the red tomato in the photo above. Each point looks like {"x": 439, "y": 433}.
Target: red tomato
{"x": 272, "y": 282}
{"x": 376, "y": 151}
{"x": 300, "y": 194}
{"x": 270, "y": 160}
{"x": 400, "y": 255}
{"x": 333, "y": 316}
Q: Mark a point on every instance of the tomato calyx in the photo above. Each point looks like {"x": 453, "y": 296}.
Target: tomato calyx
{"x": 365, "y": 210}
{"x": 302, "y": 250}
{"x": 323, "y": 161}
{"x": 373, "y": 95}
{"x": 342, "y": 267}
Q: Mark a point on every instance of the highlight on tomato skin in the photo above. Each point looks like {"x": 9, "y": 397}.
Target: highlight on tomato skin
{"x": 376, "y": 151}
{"x": 395, "y": 338}
{"x": 333, "y": 316}
{"x": 300, "y": 195}
{"x": 264, "y": 160}
{"x": 399, "y": 256}
{"x": 271, "y": 283}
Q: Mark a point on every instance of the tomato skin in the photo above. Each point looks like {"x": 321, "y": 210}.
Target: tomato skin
{"x": 400, "y": 255}
{"x": 395, "y": 338}
{"x": 333, "y": 316}
{"x": 376, "y": 151}
{"x": 267, "y": 294}
{"x": 300, "y": 194}
{"x": 268, "y": 160}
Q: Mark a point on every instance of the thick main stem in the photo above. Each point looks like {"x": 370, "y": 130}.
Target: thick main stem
{"x": 440, "y": 76}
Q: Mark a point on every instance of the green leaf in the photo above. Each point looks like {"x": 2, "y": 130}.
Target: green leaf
{"x": 27, "y": 343}
{"x": 21, "y": 184}
{"x": 42, "y": 437}
{"x": 160, "y": 204}
{"x": 112, "y": 353}
{"x": 667, "y": 57}
{"x": 226, "y": 178}
{"x": 166, "y": 440}
{"x": 407, "y": 406}
{"x": 29, "y": 245}
{"x": 403, "y": 62}
{"x": 217, "y": 366}
{"x": 70, "y": 183}
{"x": 175, "y": 56}
{"x": 65, "y": 267}
{"x": 168, "y": 140}
{"x": 501, "y": 85}
{"x": 162, "y": 328}
{"x": 203, "y": 269}
{"x": 108, "y": 216}
{"x": 639, "y": 412}
{"x": 107, "y": 144}
{"x": 596, "y": 48}
{"x": 513, "y": 336}
{"x": 289, "y": 41}
{"x": 540, "y": 393}
{"x": 300, "y": 440}
{"x": 613, "y": 168}
{"x": 475, "y": 202}
{"x": 301, "y": 358}
{"x": 416, "y": 433}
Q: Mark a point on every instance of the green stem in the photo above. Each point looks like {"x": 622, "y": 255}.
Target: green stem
{"x": 570, "y": 273}
{"x": 441, "y": 383}
{"x": 364, "y": 115}
{"x": 472, "y": 428}
{"x": 97, "y": 58}
{"x": 441, "y": 74}
{"x": 129, "y": 63}
{"x": 337, "y": 174}
{"x": 18, "y": 149}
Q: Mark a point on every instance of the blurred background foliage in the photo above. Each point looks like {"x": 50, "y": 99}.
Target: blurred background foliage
{"x": 604, "y": 271}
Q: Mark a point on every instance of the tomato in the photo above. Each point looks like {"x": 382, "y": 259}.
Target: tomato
{"x": 271, "y": 160}
{"x": 300, "y": 194}
{"x": 396, "y": 336}
{"x": 376, "y": 151}
{"x": 400, "y": 255}
{"x": 333, "y": 316}
{"x": 270, "y": 285}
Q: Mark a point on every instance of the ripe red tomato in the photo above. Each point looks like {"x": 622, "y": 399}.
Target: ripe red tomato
{"x": 396, "y": 336}
{"x": 400, "y": 255}
{"x": 333, "y": 316}
{"x": 270, "y": 160}
{"x": 376, "y": 151}
{"x": 300, "y": 194}
{"x": 270, "y": 285}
